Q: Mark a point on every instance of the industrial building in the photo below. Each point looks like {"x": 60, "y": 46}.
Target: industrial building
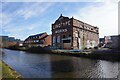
{"x": 70, "y": 33}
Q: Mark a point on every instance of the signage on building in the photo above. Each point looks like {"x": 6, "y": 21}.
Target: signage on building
{"x": 61, "y": 24}
{"x": 61, "y": 30}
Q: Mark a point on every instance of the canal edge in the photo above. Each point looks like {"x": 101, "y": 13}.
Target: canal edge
{"x": 13, "y": 71}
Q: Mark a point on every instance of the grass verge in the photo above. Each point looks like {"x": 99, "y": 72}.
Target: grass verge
{"x": 7, "y": 72}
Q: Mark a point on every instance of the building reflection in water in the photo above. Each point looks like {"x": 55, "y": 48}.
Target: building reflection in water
{"x": 31, "y": 65}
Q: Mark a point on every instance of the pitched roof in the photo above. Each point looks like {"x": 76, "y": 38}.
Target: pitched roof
{"x": 35, "y": 35}
{"x": 61, "y": 19}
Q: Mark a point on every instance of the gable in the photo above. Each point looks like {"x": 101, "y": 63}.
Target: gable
{"x": 61, "y": 19}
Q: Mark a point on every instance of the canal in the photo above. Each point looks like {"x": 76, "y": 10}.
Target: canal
{"x": 31, "y": 65}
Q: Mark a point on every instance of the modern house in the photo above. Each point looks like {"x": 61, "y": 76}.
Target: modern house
{"x": 42, "y": 39}
{"x": 70, "y": 33}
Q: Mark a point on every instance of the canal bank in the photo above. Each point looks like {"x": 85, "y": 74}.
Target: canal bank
{"x": 110, "y": 55}
{"x": 102, "y": 54}
{"x": 8, "y": 72}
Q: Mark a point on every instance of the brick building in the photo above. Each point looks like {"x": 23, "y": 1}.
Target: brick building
{"x": 70, "y": 33}
{"x": 42, "y": 39}
{"x": 6, "y": 41}
{"x": 111, "y": 41}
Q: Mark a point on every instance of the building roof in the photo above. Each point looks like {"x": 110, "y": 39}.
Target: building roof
{"x": 36, "y": 35}
{"x": 3, "y": 36}
{"x": 60, "y": 18}
{"x": 101, "y": 39}
{"x": 67, "y": 18}
{"x": 112, "y": 36}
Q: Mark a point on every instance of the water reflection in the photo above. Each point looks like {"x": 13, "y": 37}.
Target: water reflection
{"x": 56, "y": 66}
{"x": 108, "y": 69}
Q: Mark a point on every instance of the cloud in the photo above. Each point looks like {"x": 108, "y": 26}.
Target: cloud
{"x": 4, "y": 19}
{"x": 33, "y": 9}
{"x": 104, "y": 15}
{"x": 26, "y": 11}
{"x": 17, "y": 23}
{"x": 24, "y": 30}
{"x": 21, "y": 31}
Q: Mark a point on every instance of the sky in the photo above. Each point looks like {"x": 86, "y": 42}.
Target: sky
{"x": 21, "y": 19}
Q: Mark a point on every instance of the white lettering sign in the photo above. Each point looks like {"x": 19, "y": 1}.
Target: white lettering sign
{"x": 61, "y": 30}
{"x": 61, "y": 24}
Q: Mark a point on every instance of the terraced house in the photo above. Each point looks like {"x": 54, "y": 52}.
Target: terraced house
{"x": 42, "y": 39}
{"x": 70, "y": 33}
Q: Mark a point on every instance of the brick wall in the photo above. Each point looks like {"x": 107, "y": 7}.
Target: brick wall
{"x": 80, "y": 32}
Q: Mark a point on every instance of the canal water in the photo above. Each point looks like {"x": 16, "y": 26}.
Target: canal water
{"x": 31, "y": 65}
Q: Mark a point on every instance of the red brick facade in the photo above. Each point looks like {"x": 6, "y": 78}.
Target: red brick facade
{"x": 69, "y": 33}
{"x": 42, "y": 40}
